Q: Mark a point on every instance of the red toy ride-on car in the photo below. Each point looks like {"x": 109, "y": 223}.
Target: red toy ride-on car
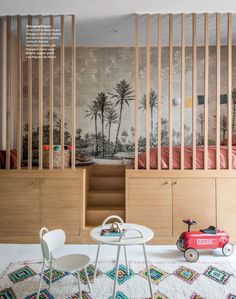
{"x": 210, "y": 238}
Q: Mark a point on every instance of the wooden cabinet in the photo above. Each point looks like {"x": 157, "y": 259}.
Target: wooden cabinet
{"x": 195, "y": 199}
{"x": 30, "y": 200}
{"x": 162, "y": 204}
{"x": 226, "y": 205}
{"x": 19, "y": 206}
{"x": 150, "y": 204}
{"x": 61, "y": 204}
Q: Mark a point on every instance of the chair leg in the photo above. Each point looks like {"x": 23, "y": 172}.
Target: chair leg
{"x": 116, "y": 273}
{"x": 96, "y": 262}
{"x": 41, "y": 280}
{"x": 87, "y": 278}
{"x": 79, "y": 287}
{"x": 50, "y": 280}
{"x": 126, "y": 260}
{"x": 148, "y": 271}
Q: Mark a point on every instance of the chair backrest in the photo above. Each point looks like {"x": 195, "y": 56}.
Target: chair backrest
{"x": 50, "y": 241}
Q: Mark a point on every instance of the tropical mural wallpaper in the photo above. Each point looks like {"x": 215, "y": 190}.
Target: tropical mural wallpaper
{"x": 105, "y": 101}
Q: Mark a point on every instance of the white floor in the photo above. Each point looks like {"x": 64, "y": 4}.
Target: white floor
{"x": 11, "y": 253}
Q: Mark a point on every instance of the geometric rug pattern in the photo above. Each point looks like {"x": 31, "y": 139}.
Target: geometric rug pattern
{"x": 157, "y": 275}
{"x": 56, "y": 275}
{"x": 186, "y": 274}
{"x": 123, "y": 274}
{"x": 217, "y": 275}
{"x": 169, "y": 281}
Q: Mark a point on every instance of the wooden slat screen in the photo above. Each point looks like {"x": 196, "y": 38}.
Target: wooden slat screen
{"x": 9, "y": 93}
{"x": 229, "y": 91}
{"x": 159, "y": 92}
{"x": 218, "y": 91}
{"x": 183, "y": 28}
{"x": 40, "y": 112}
{"x": 73, "y": 104}
{"x": 170, "y": 128}
{"x": 147, "y": 91}
{"x": 30, "y": 104}
{"x": 62, "y": 90}
{"x": 206, "y": 75}
{"x": 136, "y": 87}
{"x": 51, "y": 102}
{"x": 19, "y": 91}
{"x": 194, "y": 88}
{"x": 169, "y": 93}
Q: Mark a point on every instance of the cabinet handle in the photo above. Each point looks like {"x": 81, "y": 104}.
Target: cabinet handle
{"x": 174, "y": 183}
{"x": 166, "y": 183}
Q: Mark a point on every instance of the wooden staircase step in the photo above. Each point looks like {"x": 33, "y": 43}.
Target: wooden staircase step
{"x": 107, "y": 183}
{"x": 108, "y": 170}
{"x": 96, "y": 214}
{"x": 106, "y": 198}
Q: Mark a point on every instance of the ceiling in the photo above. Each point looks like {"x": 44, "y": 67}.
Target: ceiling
{"x": 111, "y": 23}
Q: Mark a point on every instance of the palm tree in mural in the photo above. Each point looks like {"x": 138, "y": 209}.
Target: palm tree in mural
{"x": 93, "y": 112}
{"x": 103, "y": 104}
{"x": 123, "y": 94}
{"x": 111, "y": 118}
{"x": 153, "y": 97}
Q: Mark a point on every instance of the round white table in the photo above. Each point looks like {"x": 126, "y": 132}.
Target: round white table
{"x": 134, "y": 234}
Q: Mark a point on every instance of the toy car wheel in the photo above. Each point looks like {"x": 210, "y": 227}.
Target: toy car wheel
{"x": 180, "y": 244}
{"x": 191, "y": 255}
{"x": 228, "y": 249}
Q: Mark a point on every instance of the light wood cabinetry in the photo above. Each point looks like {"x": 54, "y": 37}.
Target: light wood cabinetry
{"x": 150, "y": 203}
{"x": 31, "y": 199}
{"x": 195, "y": 199}
{"x": 19, "y": 206}
{"x": 61, "y": 204}
{"x": 226, "y": 205}
{"x": 161, "y": 201}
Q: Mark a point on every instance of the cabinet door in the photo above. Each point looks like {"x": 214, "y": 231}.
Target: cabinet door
{"x": 19, "y": 206}
{"x": 195, "y": 199}
{"x": 150, "y": 204}
{"x": 226, "y": 205}
{"x": 60, "y": 204}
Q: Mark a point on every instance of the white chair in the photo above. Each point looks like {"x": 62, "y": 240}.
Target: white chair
{"x": 55, "y": 239}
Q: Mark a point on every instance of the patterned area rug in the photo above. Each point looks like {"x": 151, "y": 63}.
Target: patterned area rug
{"x": 169, "y": 280}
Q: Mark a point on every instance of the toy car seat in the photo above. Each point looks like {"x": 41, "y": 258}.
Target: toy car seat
{"x": 189, "y": 222}
{"x": 210, "y": 230}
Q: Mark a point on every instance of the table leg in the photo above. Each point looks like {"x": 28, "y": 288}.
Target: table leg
{"x": 96, "y": 262}
{"x": 148, "y": 270}
{"x": 126, "y": 260}
{"x": 116, "y": 273}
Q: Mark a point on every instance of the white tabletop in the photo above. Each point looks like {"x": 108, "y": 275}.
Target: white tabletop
{"x": 130, "y": 238}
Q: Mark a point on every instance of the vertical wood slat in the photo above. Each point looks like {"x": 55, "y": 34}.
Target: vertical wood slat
{"x": 51, "y": 100}
{"x": 229, "y": 91}
{"x": 30, "y": 104}
{"x": 9, "y": 95}
{"x": 183, "y": 29}
{"x": 73, "y": 107}
{"x": 147, "y": 91}
{"x": 40, "y": 103}
{"x": 19, "y": 91}
{"x": 159, "y": 92}
{"x": 217, "y": 91}
{"x": 206, "y": 92}
{"x": 170, "y": 91}
{"x": 62, "y": 90}
{"x": 136, "y": 86}
{"x": 194, "y": 85}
